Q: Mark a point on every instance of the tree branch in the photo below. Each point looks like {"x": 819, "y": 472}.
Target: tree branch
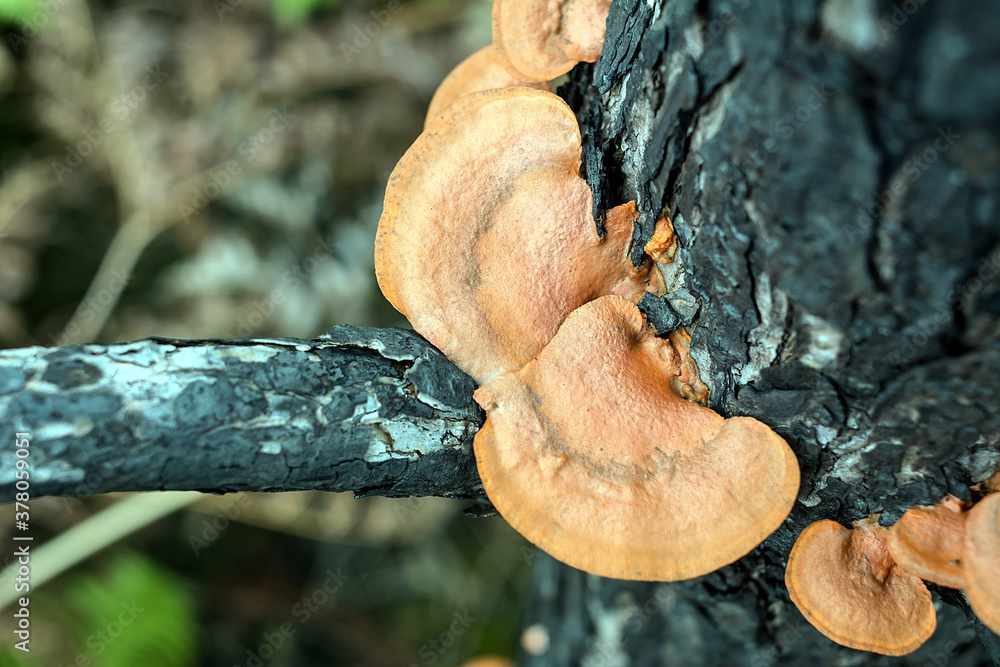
{"x": 374, "y": 411}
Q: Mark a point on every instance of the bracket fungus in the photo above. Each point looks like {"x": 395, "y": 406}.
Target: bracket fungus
{"x": 847, "y": 585}
{"x": 589, "y": 452}
{"x": 488, "y": 245}
{"x": 928, "y": 541}
{"x": 480, "y": 71}
{"x": 489, "y": 661}
{"x": 982, "y": 560}
{"x": 487, "y": 239}
{"x": 537, "y": 40}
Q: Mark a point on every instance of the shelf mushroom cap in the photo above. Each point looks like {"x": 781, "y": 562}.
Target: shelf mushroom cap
{"x": 848, "y": 587}
{"x": 487, "y": 239}
{"x": 480, "y": 71}
{"x": 590, "y": 454}
{"x": 982, "y": 560}
{"x": 489, "y": 661}
{"x": 928, "y": 541}
{"x": 537, "y": 40}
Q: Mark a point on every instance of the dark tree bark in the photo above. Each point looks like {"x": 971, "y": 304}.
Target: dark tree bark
{"x": 359, "y": 409}
{"x": 831, "y": 169}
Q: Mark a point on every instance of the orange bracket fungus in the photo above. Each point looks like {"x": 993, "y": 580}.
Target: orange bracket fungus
{"x": 982, "y": 560}
{"x": 489, "y": 661}
{"x": 487, "y": 239}
{"x": 480, "y": 71}
{"x": 928, "y": 542}
{"x": 589, "y": 452}
{"x": 847, "y": 585}
{"x": 537, "y": 40}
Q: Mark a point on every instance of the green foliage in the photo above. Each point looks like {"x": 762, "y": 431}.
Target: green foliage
{"x": 12, "y": 657}
{"x": 291, "y": 12}
{"x": 136, "y": 614}
{"x": 18, "y": 11}
{"x": 286, "y": 12}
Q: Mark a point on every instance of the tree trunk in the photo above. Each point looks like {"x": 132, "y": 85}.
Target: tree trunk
{"x": 831, "y": 171}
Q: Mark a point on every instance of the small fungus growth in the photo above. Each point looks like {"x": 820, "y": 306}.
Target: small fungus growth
{"x": 847, "y": 585}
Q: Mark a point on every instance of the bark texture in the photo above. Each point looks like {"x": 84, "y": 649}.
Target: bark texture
{"x": 831, "y": 170}
{"x": 374, "y": 411}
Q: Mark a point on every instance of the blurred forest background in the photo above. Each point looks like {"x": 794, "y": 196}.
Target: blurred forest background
{"x": 215, "y": 169}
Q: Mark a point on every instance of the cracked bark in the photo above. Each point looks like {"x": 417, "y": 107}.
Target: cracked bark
{"x": 358, "y": 409}
{"x": 831, "y": 169}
